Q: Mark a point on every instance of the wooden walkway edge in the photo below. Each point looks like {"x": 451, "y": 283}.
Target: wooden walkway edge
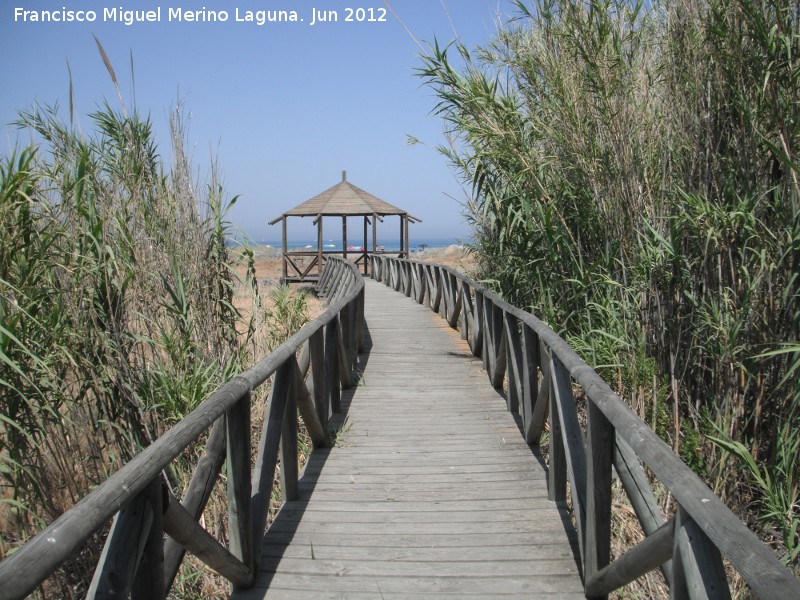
{"x": 430, "y": 490}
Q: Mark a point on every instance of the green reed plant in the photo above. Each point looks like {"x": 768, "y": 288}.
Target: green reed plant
{"x": 286, "y": 313}
{"x": 117, "y": 313}
{"x": 634, "y": 180}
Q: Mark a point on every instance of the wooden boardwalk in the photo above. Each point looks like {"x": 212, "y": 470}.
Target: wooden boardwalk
{"x": 430, "y": 490}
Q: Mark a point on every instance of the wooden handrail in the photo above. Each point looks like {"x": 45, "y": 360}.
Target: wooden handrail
{"x": 331, "y": 342}
{"x": 540, "y": 369}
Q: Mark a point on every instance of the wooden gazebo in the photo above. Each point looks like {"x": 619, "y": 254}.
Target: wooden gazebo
{"x": 342, "y": 200}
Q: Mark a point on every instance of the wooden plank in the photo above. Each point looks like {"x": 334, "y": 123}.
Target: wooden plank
{"x": 454, "y": 569}
{"x": 472, "y": 550}
{"x": 428, "y": 467}
{"x": 449, "y": 544}
{"x": 565, "y": 586}
{"x": 402, "y": 477}
{"x": 281, "y": 593}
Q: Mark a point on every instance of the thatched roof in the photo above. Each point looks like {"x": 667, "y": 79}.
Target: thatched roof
{"x": 344, "y": 200}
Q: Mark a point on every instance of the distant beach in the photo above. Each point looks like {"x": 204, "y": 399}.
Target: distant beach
{"x": 391, "y": 245}
{"x": 445, "y": 251}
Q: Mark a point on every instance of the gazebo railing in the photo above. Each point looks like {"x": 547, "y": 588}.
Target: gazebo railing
{"x": 539, "y": 371}
{"x": 298, "y": 269}
{"x": 140, "y": 502}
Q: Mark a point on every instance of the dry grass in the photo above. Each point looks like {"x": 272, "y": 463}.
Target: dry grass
{"x": 458, "y": 258}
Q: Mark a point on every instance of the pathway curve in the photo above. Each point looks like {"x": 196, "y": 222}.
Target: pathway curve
{"x": 431, "y": 489}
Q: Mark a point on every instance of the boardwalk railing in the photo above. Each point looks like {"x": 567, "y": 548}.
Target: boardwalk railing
{"x": 135, "y": 559}
{"x": 539, "y": 370}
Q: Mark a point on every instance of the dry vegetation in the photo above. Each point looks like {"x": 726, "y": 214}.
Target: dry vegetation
{"x": 121, "y": 308}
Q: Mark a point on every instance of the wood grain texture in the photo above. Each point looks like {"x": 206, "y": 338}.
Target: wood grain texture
{"x": 431, "y": 488}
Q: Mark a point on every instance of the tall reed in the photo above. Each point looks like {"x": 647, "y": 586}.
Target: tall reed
{"x": 117, "y": 312}
{"x": 634, "y": 180}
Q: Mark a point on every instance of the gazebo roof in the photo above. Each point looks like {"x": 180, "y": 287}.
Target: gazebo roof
{"x": 344, "y": 199}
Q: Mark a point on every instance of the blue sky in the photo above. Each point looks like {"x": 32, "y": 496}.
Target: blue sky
{"x": 285, "y": 106}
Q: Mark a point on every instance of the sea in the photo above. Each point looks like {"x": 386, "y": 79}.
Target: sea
{"x": 389, "y": 245}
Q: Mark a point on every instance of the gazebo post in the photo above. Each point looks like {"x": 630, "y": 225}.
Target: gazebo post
{"x": 366, "y": 250}
{"x": 375, "y": 233}
{"x": 319, "y": 245}
{"x": 402, "y": 243}
{"x": 284, "y": 248}
{"x": 344, "y": 237}
{"x": 405, "y": 221}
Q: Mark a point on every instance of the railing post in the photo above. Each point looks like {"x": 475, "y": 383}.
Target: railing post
{"x": 534, "y": 407}
{"x": 266, "y": 459}
{"x": 426, "y": 294}
{"x": 498, "y": 363}
{"x": 129, "y": 537}
{"x": 316, "y": 348}
{"x": 514, "y": 363}
{"x": 445, "y": 303}
{"x": 697, "y": 569}
{"x": 466, "y": 310}
{"x": 289, "y": 446}
{"x": 637, "y": 487}
{"x": 455, "y": 297}
{"x": 240, "y": 526}
{"x": 557, "y": 469}
{"x": 573, "y": 441}
{"x": 598, "y": 489}
{"x": 436, "y": 278}
{"x": 476, "y": 338}
{"x": 360, "y": 321}
{"x": 308, "y": 408}
{"x": 149, "y": 582}
{"x": 343, "y": 339}
{"x": 485, "y": 309}
{"x": 197, "y": 494}
{"x": 352, "y": 334}
{"x": 332, "y": 365}
{"x": 323, "y": 279}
